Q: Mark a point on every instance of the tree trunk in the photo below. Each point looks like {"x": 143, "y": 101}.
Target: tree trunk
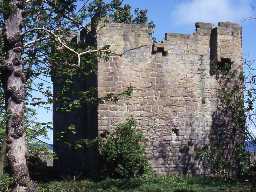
{"x": 15, "y": 95}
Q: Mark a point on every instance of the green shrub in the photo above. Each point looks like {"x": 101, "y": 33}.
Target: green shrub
{"x": 65, "y": 186}
{"x": 5, "y": 183}
{"x": 122, "y": 152}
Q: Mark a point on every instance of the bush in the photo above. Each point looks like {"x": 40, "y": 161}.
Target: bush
{"x": 5, "y": 183}
{"x": 122, "y": 152}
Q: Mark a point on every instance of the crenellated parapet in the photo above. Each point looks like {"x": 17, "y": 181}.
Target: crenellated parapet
{"x": 204, "y": 28}
{"x": 226, "y": 42}
{"x": 223, "y": 39}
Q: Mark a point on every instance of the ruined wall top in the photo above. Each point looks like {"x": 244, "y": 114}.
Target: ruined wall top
{"x": 129, "y": 35}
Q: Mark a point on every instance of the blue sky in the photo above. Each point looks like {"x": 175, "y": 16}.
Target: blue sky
{"x": 180, "y": 16}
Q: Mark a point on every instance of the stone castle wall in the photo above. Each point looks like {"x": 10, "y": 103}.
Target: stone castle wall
{"x": 174, "y": 99}
{"x": 174, "y": 87}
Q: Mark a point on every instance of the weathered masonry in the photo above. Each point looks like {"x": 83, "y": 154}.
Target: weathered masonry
{"x": 175, "y": 92}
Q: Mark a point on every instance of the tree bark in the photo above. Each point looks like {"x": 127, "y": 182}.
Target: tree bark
{"x": 15, "y": 95}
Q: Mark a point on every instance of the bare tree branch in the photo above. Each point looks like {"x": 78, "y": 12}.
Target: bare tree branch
{"x": 62, "y": 43}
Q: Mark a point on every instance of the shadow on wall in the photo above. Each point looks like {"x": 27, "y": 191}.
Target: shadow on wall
{"x": 163, "y": 153}
{"x": 72, "y": 131}
{"x": 227, "y": 135}
{"x": 224, "y": 152}
{"x": 75, "y": 121}
{"x": 75, "y": 116}
{"x": 188, "y": 160}
{"x": 191, "y": 158}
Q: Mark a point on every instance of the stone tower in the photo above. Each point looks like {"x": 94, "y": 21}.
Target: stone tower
{"x": 175, "y": 92}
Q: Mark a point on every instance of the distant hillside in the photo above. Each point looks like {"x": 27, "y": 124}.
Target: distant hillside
{"x": 250, "y": 146}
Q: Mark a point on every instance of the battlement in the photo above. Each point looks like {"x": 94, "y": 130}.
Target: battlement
{"x": 125, "y": 37}
{"x": 199, "y": 27}
{"x": 229, "y": 25}
{"x": 203, "y": 28}
{"x": 228, "y": 28}
{"x": 226, "y": 43}
{"x": 171, "y": 36}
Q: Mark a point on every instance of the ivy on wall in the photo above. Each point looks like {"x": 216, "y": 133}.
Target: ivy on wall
{"x": 226, "y": 154}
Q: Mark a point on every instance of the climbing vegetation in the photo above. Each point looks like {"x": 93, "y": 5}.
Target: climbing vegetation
{"x": 226, "y": 153}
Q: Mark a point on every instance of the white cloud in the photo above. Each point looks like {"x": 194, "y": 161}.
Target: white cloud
{"x": 213, "y": 11}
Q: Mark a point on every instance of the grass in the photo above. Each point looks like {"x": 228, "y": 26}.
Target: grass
{"x": 150, "y": 184}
